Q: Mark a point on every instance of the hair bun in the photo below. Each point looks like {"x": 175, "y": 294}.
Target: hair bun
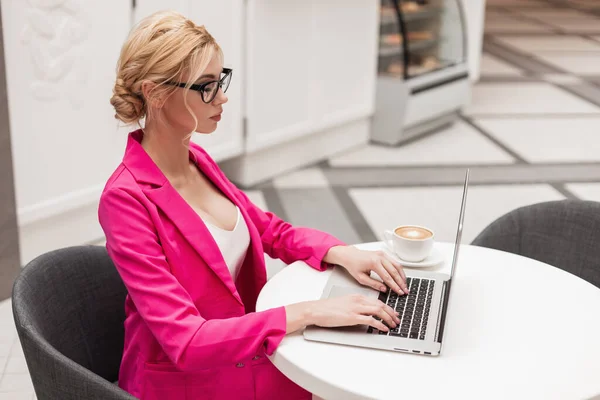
{"x": 129, "y": 106}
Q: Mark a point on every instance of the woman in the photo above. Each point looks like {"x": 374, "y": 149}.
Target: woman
{"x": 190, "y": 246}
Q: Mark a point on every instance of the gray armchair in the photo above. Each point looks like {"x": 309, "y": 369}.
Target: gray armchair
{"x": 565, "y": 234}
{"x": 68, "y": 307}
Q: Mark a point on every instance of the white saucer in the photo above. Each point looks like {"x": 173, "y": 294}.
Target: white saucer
{"x": 435, "y": 258}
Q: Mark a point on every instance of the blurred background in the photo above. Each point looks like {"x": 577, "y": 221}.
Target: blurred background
{"x": 347, "y": 116}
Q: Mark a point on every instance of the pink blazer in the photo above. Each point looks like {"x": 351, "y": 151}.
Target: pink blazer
{"x": 191, "y": 332}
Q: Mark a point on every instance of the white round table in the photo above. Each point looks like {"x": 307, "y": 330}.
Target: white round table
{"x": 516, "y": 329}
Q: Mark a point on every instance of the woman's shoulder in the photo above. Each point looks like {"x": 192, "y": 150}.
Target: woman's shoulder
{"x": 121, "y": 187}
{"x": 122, "y": 203}
{"x": 122, "y": 179}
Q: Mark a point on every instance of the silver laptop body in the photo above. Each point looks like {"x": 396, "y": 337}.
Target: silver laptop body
{"x": 421, "y": 330}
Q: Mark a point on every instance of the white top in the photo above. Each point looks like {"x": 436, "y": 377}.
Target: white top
{"x": 516, "y": 329}
{"x": 233, "y": 244}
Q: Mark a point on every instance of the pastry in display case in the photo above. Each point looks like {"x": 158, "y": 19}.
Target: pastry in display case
{"x": 427, "y": 28}
{"x": 422, "y": 47}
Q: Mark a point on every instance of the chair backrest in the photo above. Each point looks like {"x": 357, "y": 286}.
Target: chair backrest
{"x": 565, "y": 234}
{"x": 68, "y": 306}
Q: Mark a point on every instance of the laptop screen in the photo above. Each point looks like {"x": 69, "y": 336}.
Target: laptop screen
{"x": 454, "y": 260}
{"x": 460, "y": 225}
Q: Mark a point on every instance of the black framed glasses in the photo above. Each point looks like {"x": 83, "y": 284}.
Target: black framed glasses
{"x": 208, "y": 90}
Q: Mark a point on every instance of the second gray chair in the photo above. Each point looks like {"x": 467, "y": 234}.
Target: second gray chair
{"x": 565, "y": 234}
{"x": 69, "y": 309}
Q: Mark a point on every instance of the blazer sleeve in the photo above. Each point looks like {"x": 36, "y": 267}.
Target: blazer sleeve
{"x": 279, "y": 238}
{"x": 286, "y": 242}
{"x": 190, "y": 341}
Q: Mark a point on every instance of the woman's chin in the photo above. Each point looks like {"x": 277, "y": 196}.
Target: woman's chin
{"x": 206, "y": 130}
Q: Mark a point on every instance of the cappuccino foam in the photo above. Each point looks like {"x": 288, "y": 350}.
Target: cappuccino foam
{"x": 413, "y": 232}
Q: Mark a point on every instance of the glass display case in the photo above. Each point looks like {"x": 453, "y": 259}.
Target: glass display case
{"x": 420, "y": 36}
{"x": 422, "y": 48}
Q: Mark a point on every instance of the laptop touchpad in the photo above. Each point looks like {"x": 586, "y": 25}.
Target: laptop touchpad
{"x": 339, "y": 291}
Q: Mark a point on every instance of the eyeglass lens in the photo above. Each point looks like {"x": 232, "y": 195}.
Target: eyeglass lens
{"x": 210, "y": 91}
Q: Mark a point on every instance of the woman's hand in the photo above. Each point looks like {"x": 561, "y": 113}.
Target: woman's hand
{"x": 360, "y": 263}
{"x": 349, "y": 310}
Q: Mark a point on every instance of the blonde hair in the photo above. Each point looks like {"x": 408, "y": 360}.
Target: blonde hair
{"x": 161, "y": 48}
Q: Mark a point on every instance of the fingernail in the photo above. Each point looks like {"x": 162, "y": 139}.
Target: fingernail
{"x": 382, "y": 288}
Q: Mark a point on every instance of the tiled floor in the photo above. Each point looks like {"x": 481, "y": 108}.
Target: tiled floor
{"x": 530, "y": 135}
{"x": 15, "y": 383}
{"x": 529, "y": 98}
{"x": 439, "y": 149}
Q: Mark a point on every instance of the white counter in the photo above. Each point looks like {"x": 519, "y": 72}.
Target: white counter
{"x": 474, "y": 11}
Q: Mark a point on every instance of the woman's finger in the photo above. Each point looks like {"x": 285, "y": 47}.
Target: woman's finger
{"x": 386, "y": 277}
{"x": 395, "y": 275}
{"x": 379, "y": 304}
{"x": 368, "y": 320}
{"x": 366, "y": 280}
{"x": 381, "y": 313}
{"x": 397, "y": 265}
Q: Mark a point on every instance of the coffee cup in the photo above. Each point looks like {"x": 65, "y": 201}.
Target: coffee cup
{"x": 410, "y": 242}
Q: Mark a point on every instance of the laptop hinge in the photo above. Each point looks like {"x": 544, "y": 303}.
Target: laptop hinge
{"x": 443, "y": 312}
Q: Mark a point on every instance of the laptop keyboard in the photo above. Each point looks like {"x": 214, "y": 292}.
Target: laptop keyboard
{"x": 413, "y": 309}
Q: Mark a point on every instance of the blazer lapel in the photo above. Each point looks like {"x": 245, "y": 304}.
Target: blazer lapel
{"x": 169, "y": 201}
{"x": 258, "y": 271}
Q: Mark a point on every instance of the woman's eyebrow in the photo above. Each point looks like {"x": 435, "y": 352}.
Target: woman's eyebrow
{"x": 208, "y": 76}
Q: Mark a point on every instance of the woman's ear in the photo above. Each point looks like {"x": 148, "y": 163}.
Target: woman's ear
{"x": 154, "y": 98}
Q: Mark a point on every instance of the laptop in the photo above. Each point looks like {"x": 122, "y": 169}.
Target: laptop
{"x": 423, "y": 312}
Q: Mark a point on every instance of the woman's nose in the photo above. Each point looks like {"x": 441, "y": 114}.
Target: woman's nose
{"x": 221, "y": 97}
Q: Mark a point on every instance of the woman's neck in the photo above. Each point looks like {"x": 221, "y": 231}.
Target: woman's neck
{"x": 169, "y": 151}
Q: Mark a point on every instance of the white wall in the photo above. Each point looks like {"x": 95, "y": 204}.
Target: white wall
{"x": 61, "y": 58}
{"x": 311, "y": 66}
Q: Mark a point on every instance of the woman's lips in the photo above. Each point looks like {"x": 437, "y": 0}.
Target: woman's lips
{"x": 216, "y": 117}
